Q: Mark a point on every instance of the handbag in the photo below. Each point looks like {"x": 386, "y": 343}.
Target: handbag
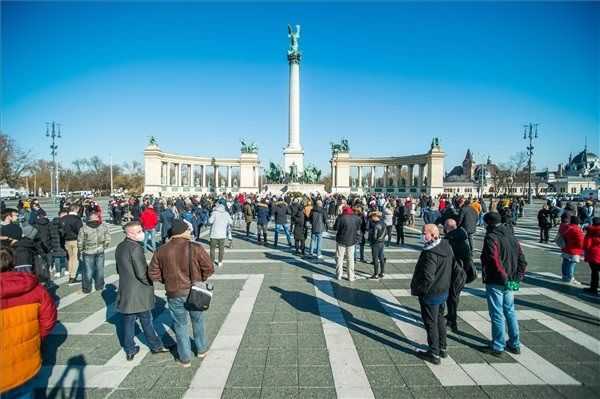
{"x": 560, "y": 241}
{"x": 200, "y": 295}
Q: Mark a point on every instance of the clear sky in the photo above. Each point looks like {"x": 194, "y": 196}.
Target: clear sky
{"x": 387, "y": 76}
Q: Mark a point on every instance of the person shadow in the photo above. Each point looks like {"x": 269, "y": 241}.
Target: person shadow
{"x": 70, "y": 385}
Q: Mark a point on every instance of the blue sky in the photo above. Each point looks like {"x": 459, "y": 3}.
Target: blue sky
{"x": 388, "y": 77}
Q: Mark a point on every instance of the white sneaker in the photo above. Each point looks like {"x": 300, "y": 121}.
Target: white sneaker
{"x": 320, "y": 257}
{"x": 574, "y": 282}
{"x": 57, "y": 275}
{"x": 220, "y": 264}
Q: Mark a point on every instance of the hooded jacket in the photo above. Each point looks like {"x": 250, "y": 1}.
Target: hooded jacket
{"x": 433, "y": 271}
{"x": 148, "y": 219}
{"x": 501, "y": 257}
{"x": 281, "y": 210}
{"x": 219, "y": 221}
{"x": 573, "y": 236}
{"x": 93, "y": 238}
{"x": 27, "y": 315}
{"x": 318, "y": 219}
{"x": 170, "y": 265}
{"x": 263, "y": 214}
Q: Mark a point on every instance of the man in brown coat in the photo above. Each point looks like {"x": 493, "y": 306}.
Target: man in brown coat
{"x": 172, "y": 265}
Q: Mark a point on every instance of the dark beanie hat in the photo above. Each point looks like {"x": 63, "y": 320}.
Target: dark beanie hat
{"x": 492, "y": 218}
{"x": 178, "y": 227}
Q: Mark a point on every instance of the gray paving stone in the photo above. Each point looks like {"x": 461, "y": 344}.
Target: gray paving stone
{"x": 279, "y": 393}
{"x": 313, "y": 357}
{"x": 317, "y": 393}
{"x": 465, "y": 392}
{"x": 384, "y": 376}
{"x": 241, "y": 393}
{"x": 282, "y": 376}
{"x": 246, "y": 377}
{"x": 282, "y": 357}
{"x": 417, "y": 376}
{"x": 251, "y": 358}
{"x": 315, "y": 376}
{"x": 427, "y": 392}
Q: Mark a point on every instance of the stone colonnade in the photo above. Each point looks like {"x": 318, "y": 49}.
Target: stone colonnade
{"x": 409, "y": 175}
{"x": 171, "y": 174}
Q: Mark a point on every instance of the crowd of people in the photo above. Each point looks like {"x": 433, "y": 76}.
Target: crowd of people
{"x": 37, "y": 250}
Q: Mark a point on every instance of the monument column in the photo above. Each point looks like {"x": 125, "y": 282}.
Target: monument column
{"x": 293, "y": 153}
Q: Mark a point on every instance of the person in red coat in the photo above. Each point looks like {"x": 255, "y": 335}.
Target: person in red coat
{"x": 27, "y": 316}
{"x": 591, "y": 246}
{"x": 149, "y": 221}
{"x": 572, "y": 251}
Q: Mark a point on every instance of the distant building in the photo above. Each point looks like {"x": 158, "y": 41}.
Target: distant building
{"x": 581, "y": 172}
{"x": 470, "y": 179}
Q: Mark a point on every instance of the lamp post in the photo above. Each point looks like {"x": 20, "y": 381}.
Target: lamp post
{"x": 53, "y": 131}
{"x": 530, "y": 132}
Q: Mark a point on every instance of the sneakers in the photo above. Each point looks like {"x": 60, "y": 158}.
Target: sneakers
{"x": 72, "y": 281}
{"x": 514, "y": 351}
{"x": 443, "y": 353}
{"x": 374, "y": 277}
{"x": 57, "y": 274}
{"x": 202, "y": 355}
{"x": 574, "y": 282}
{"x": 131, "y": 355}
{"x": 381, "y": 275}
{"x": 185, "y": 365}
{"x": 429, "y": 357}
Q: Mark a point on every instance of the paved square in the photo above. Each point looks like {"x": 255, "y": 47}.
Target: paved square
{"x": 282, "y": 326}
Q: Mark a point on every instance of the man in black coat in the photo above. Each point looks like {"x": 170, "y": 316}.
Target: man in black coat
{"x": 376, "y": 240}
{"x": 431, "y": 283}
{"x": 347, "y": 227}
{"x": 135, "y": 299}
{"x": 544, "y": 218}
{"x": 458, "y": 239}
{"x": 467, "y": 219}
{"x": 281, "y": 210}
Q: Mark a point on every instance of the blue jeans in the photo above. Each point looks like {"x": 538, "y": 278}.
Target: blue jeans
{"x": 60, "y": 263}
{"x": 93, "y": 269}
{"x": 286, "y": 230}
{"x": 180, "y": 319}
{"x": 315, "y": 238}
{"x": 25, "y": 391}
{"x": 150, "y": 235}
{"x": 568, "y": 269}
{"x": 149, "y": 332}
{"x": 501, "y": 306}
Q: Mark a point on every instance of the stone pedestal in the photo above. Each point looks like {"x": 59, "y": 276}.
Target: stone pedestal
{"x": 249, "y": 172}
{"x": 152, "y": 169}
{"x": 282, "y": 189}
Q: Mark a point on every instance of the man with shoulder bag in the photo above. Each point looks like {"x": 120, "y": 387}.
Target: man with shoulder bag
{"x": 182, "y": 266}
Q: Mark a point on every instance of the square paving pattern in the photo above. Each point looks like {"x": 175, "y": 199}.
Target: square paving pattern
{"x": 282, "y": 326}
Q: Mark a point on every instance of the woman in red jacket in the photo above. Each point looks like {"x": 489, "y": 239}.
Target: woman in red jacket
{"x": 149, "y": 220}
{"x": 572, "y": 251}
{"x": 591, "y": 246}
{"x": 27, "y": 315}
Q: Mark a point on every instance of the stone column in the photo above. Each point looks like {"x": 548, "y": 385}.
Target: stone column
{"x": 293, "y": 153}
{"x": 372, "y": 177}
{"x": 229, "y": 177}
{"x": 333, "y": 175}
{"x": 420, "y": 179}
{"x": 360, "y": 176}
{"x": 216, "y": 177}
{"x": 411, "y": 175}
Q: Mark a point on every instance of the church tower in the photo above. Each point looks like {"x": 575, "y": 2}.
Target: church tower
{"x": 468, "y": 165}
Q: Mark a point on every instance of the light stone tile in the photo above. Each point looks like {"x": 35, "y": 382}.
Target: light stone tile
{"x": 484, "y": 374}
{"x": 516, "y": 374}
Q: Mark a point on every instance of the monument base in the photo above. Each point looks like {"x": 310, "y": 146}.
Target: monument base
{"x": 282, "y": 189}
{"x": 293, "y": 156}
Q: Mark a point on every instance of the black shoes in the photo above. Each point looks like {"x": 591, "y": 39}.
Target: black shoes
{"x": 130, "y": 356}
{"x": 162, "y": 349}
{"x": 443, "y": 353}
{"x": 429, "y": 357}
{"x": 380, "y": 275}
{"x": 514, "y": 351}
{"x": 72, "y": 281}
{"x": 491, "y": 351}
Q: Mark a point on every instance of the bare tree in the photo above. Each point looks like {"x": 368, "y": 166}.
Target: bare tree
{"x": 14, "y": 162}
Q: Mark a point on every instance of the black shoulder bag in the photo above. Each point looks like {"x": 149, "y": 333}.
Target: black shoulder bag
{"x": 200, "y": 294}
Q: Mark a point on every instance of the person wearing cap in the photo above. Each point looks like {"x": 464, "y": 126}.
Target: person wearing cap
{"x": 503, "y": 267}
{"x": 377, "y": 233}
{"x": 172, "y": 265}
{"x": 347, "y": 226}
